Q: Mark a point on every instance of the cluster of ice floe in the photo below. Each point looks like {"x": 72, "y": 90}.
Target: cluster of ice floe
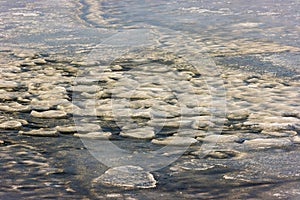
{"x": 156, "y": 97}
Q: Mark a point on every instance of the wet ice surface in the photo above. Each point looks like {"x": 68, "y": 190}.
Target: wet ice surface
{"x": 257, "y": 150}
{"x": 43, "y": 155}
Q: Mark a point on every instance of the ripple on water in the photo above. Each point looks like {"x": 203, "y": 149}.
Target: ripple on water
{"x": 25, "y": 172}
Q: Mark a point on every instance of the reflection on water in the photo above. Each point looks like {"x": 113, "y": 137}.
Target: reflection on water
{"x": 255, "y": 46}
